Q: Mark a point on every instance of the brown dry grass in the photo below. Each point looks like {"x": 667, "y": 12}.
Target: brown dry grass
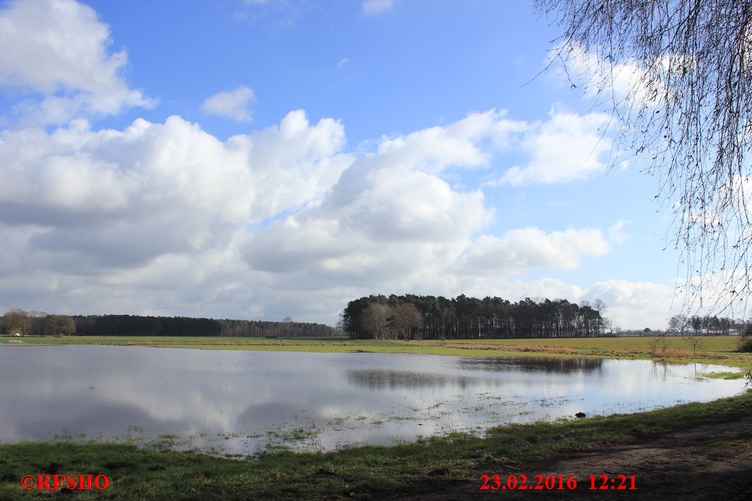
{"x": 670, "y": 352}
{"x": 520, "y": 348}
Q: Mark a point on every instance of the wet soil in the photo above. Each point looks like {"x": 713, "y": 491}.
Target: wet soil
{"x": 706, "y": 462}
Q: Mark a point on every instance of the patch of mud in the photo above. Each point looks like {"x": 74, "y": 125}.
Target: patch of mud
{"x": 709, "y": 462}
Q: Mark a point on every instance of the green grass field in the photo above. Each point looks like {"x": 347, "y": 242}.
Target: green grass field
{"x": 711, "y": 349}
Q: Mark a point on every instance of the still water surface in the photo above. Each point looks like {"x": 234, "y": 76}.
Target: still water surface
{"x": 242, "y": 402}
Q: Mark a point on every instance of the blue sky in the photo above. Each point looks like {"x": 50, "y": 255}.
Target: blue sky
{"x": 264, "y": 158}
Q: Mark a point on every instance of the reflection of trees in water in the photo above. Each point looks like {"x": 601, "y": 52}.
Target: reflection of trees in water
{"x": 533, "y": 364}
{"x": 660, "y": 369}
{"x": 383, "y": 379}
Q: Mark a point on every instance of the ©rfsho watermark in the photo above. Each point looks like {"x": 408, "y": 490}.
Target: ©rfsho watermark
{"x": 71, "y": 482}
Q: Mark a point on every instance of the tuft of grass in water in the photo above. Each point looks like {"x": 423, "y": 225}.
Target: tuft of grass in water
{"x": 724, "y": 375}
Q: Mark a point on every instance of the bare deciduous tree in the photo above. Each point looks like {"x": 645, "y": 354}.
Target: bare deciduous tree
{"x": 17, "y": 321}
{"x": 680, "y": 323}
{"x": 376, "y": 320}
{"x": 406, "y": 318}
{"x": 677, "y": 75}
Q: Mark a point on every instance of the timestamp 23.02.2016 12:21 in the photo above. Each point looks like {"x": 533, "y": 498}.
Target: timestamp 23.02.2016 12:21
{"x": 539, "y": 482}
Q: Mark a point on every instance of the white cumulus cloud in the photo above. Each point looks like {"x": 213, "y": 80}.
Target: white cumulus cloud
{"x": 232, "y": 104}
{"x": 129, "y": 196}
{"x": 566, "y": 148}
{"x": 616, "y": 231}
{"x": 389, "y": 214}
{"x": 519, "y": 250}
{"x": 59, "y": 50}
{"x": 631, "y": 302}
{"x": 372, "y": 7}
{"x": 165, "y": 218}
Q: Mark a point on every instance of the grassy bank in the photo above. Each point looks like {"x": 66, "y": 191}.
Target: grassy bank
{"x": 710, "y": 349}
{"x": 358, "y": 473}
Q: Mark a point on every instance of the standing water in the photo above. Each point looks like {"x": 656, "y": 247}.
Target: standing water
{"x": 243, "y": 402}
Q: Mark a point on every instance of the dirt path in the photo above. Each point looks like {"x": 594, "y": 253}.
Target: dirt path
{"x": 706, "y": 462}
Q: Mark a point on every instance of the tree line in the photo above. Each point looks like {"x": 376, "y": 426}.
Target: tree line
{"x": 36, "y": 323}
{"x": 706, "y": 325}
{"x": 132, "y": 325}
{"x": 41, "y": 324}
{"x": 463, "y": 317}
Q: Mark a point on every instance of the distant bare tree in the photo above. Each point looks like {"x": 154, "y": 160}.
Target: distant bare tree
{"x": 682, "y": 324}
{"x": 604, "y": 323}
{"x": 17, "y": 321}
{"x": 406, "y": 319}
{"x": 695, "y": 341}
{"x": 677, "y": 75}
{"x": 286, "y": 324}
{"x": 679, "y": 322}
{"x": 376, "y": 320}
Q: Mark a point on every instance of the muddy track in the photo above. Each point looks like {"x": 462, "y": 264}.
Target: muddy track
{"x": 706, "y": 462}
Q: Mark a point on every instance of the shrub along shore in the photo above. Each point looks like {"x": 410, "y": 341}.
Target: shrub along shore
{"x": 372, "y": 472}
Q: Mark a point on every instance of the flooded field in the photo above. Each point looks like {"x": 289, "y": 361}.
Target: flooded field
{"x": 244, "y": 402}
